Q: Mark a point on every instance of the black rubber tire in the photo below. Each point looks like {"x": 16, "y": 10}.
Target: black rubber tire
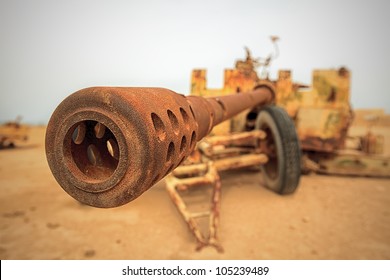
{"x": 283, "y": 170}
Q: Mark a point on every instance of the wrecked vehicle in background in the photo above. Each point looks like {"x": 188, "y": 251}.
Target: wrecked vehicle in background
{"x": 12, "y": 133}
{"x": 322, "y": 114}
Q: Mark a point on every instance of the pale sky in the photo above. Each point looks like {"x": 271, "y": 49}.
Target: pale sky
{"x": 50, "y": 49}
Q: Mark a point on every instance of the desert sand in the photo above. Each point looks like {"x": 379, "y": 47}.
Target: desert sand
{"x": 329, "y": 217}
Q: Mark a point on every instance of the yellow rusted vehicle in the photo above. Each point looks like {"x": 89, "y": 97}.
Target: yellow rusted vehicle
{"x": 321, "y": 112}
{"x": 12, "y": 133}
{"x": 257, "y": 138}
{"x": 322, "y": 116}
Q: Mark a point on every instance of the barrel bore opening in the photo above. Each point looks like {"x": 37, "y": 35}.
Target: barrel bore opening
{"x": 94, "y": 149}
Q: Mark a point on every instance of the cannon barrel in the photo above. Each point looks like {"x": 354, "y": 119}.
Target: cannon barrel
{"x": 107, "y": 145}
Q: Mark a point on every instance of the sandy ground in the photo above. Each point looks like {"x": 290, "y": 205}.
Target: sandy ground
{"x": 327, "y": 218}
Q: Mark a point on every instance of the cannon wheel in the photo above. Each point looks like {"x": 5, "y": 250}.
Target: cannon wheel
{"x": 283, "y": 169}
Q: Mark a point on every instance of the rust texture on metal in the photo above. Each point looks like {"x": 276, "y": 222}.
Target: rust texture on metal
{"x": 107, "y": 145}
{"x": 199, "y": 175}
{"x": 347, "y": 162}
{"x": 219, "y": 153}
{"x": 372, "y": 144}
{"x": 322, "y": 113}
{"x": 217, "y": 156}
{"x": 231, "y": 145}
{"x": 229, "y": 152}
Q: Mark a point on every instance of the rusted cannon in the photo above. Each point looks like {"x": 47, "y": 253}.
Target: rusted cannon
{"x": 107, "y": 145}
